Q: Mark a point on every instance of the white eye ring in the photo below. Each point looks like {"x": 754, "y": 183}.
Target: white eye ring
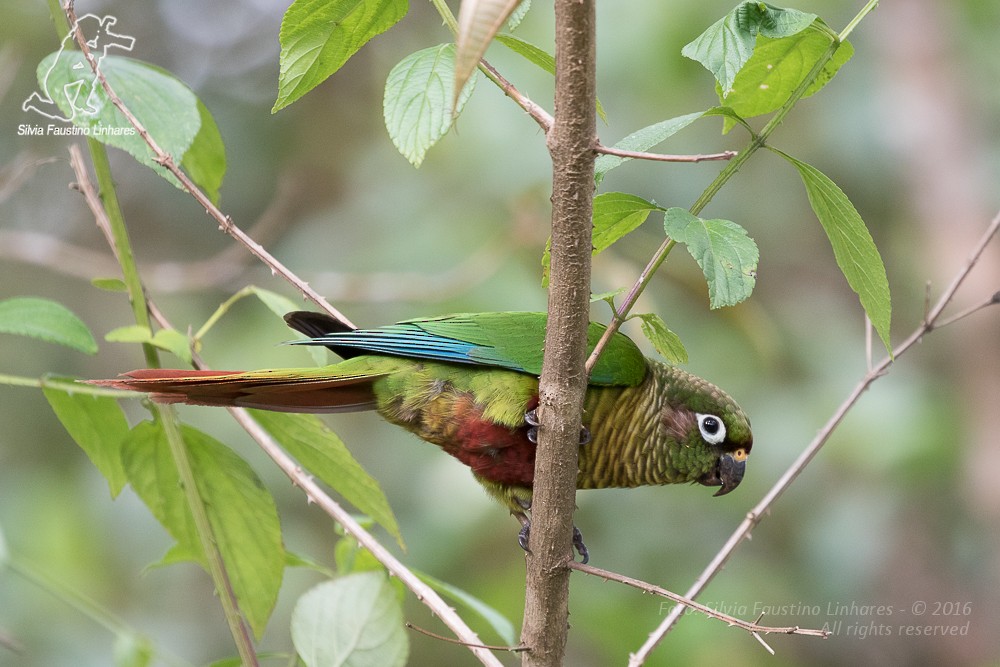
{"x": 713, "y": 429}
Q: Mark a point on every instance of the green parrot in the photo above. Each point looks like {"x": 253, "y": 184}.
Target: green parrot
{"x": 469, "y": 384}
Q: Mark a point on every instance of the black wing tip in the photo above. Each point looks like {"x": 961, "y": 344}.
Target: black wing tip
{"x": 315, "y": 324}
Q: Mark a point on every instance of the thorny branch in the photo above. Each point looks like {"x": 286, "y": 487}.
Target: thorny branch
{"x": 755, "y": 515}
{"x": 295, "y": 473}
{"x": 753, "y": 628}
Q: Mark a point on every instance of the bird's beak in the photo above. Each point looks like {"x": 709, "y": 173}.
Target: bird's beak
{"x": 728, "y": 473}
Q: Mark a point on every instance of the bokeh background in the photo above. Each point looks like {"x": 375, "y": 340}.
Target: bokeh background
{"x": 901, "y": 508}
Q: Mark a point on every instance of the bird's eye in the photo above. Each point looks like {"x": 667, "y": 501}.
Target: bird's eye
{"x": 712, "y": 429}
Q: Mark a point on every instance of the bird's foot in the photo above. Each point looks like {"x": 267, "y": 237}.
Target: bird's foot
{"x": 525, "y": 533}
{"x": 531, "y": 419}
{"x": 581, "y": 548}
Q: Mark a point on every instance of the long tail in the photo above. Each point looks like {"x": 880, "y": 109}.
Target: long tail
{"x": 284, "y": 389}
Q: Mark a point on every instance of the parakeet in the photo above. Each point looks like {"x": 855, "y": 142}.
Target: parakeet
{"x": 469, "y": 384}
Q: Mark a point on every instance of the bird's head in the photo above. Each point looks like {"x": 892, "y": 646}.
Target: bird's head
{"x": 712, "y": 433}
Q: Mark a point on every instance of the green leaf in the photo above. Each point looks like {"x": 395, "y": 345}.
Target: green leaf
{"x": 417, "y": 102}
{"x": 165, "y": 339}
{"x": 276, "y": 303}
{"x": 730, "y": 118}
{"x": 728, "y": 43}
{"x": 778, "y": 67}
{"x": 539, "y": 57}
{"x": 109, "y": 284}
{"x": 726, "y": 255}
{"x": 151, "y": 472}
{"x": 503, "y": 627}
{"x": 642, "y": 140}
{"x": 205, "y": 161}
{"x": 173, "y": 341}
{"x": 132, "y": 333}
{"x": 318, "y": 36}
{"x": 478, "y": 23}
{"x": 132, "y": 650}
{"x": 353, "y": 621}
{"x": 616, "y": 214}
{"x": 240, "y": 510}
{"x": 323, "y": 454}
{"x": 351, "y": 557}
{"x": 853, "y": 246}
{"x": 666, "y": 342}
{"x": 97, "y": 424}
{"x": 518, "y": 14}
{"x": 279, "y": 305}
{"x": 533, "y": 54}
{"x": 608, "y": 297}
{"x": 164, "y": 105}
{"x": 46, "y": 320}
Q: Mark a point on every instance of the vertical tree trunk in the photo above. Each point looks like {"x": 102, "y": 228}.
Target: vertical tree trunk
{"x": 563, "y": 381}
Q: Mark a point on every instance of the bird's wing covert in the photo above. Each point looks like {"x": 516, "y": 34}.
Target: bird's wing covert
{"x": 511, "y": 340}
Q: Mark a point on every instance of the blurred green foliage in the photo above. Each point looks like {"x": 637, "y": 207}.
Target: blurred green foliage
{"x": 901, "y": 508}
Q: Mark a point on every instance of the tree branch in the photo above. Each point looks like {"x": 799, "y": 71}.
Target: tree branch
{"x": 563, "y": 383}
{"x": 645, "y": 587}
{"x": 755, "y": 515}
{"x": 661, "y": 157}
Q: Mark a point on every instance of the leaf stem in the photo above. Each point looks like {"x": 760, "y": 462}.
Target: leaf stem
{"x": 206, "y": 535}
{"x": 849, "y": 28}
{"x": 63, "y": 385}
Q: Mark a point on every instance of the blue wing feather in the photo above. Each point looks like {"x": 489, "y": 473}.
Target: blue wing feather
{"x": 410, "y": 340}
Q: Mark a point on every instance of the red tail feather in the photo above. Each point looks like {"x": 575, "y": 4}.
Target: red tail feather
{"x": 250, "y": 390}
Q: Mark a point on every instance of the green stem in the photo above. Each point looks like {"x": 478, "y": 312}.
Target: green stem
{"x": 70, "y": 597}
{"x": 220, "y": 311}
{"x": 123, "y": 246}
{"x": 445, "y": 12}
{"x": 206, "y": 535}
{"x": 867, "y": 9}
{"x": 64, "y": 385}
{"x": 58, "y": 19}
{"x": 83, "y": 604}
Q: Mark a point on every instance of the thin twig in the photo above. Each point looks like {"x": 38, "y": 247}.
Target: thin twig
{"x": 661, "y": 157}
{"x": 755, "y": 515}
{"x": 540, "y": 115}
{"x": 869, "y": 352}
{"x": 991, "y": 301}
{"x": 749, "y": 626}
{"x": 489, "y": 647}
{"x": 167, "y": 161}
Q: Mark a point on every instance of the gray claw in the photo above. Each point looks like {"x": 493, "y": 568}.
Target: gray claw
{"x": 581, "y": 548}
{"x": 531, "y": 419}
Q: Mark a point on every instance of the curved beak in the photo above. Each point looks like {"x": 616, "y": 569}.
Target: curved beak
{"x": 728, "y": 473}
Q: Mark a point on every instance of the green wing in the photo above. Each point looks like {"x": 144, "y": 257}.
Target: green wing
{"x": 510, "y": 340}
